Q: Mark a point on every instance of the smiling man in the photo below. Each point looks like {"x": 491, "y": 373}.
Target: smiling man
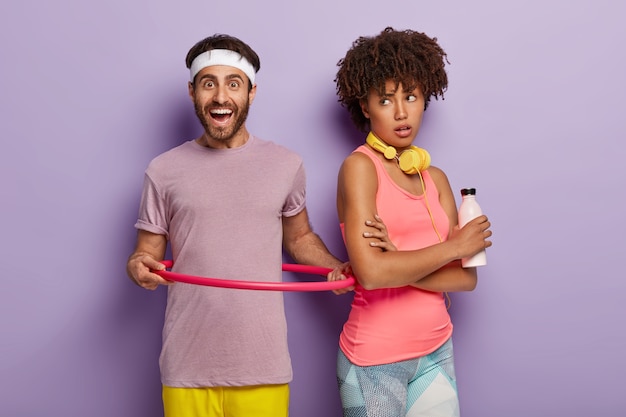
{"x": 227, "y": 203}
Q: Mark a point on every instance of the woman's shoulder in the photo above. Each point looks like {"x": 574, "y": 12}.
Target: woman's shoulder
{"x": 358, "y": 161}
{"x": 437, "y": 174}
{"x": 440, "y": 179}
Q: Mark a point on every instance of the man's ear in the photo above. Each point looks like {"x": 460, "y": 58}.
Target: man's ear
{"x": 252, "y": 94}
{"x": 190, "y": 87}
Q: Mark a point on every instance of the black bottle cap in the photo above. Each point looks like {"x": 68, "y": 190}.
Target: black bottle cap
{"x": 468, "y": 191}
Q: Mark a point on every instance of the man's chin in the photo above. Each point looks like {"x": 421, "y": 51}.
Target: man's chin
{"x": 221, "y": 134}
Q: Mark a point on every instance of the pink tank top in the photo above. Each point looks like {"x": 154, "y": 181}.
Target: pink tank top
{"x": 395, "y": 324}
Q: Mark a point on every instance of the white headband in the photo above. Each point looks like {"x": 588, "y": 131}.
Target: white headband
{"x": 222, "y": 57}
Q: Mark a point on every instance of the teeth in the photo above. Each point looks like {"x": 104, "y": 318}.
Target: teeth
{"x": 221, "y": 111}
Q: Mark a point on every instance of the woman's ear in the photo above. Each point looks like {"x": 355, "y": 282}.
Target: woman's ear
{"x": 363, "y": 104}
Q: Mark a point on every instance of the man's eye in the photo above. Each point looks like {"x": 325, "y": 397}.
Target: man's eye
{"x": 234, "y": 84}
{"x": 209, "y": 84}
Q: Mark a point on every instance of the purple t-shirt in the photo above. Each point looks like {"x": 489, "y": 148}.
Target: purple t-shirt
{"x": 221, "y": 210}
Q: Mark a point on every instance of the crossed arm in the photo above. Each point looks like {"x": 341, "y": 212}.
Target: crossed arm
{"x": 435, "y": 268}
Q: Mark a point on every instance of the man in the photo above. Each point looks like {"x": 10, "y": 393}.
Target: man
{"x": 227, "y": 202}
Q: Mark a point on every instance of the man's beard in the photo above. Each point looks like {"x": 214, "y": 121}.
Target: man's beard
{"x": 222, "y": 134}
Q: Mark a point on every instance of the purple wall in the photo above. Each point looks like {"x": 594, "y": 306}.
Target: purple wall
{"x": 533, "y": 119}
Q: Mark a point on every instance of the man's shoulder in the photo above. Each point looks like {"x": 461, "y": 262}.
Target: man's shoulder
{"x": 173, "y": 153}
{"x": 170, "y": 160}
{"x": 276, "y": 149}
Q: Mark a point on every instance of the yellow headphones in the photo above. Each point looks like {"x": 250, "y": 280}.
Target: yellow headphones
{"x": 411, "y": 161}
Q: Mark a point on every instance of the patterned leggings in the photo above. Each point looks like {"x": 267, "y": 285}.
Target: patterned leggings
{"x": 424, "y": 386}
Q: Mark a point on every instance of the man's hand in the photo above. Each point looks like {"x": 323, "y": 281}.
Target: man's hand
{"x": 341, "y": 272}
{"x": 139, "y": 269}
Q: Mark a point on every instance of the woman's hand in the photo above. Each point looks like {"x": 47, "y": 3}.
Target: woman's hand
{"x": 380, "y": 233}
{"x": 471, "y": 238}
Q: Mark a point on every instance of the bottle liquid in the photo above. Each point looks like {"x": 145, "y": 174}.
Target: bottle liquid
{"x": 469, "y": 210}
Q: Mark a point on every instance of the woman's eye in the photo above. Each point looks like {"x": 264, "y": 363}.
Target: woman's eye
{"x": 385, "y": 101}
{"x": 411, "y": 98}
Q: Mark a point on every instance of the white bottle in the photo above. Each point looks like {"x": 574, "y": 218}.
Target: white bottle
{"x": 469, "y": 210}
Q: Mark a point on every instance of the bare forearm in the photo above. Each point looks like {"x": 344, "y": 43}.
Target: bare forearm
{"x": 309, "y": 249}
{"x": 376, "y": 269}
{"x": 450, "y": 278}
{"x": 396, "y": 269}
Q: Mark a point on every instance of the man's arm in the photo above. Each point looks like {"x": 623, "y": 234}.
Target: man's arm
{"x": 303, "y": 245}
{"x": 150, "y": 249}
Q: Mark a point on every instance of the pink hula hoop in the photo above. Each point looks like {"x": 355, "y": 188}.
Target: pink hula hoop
{"x": 259, "y": 285}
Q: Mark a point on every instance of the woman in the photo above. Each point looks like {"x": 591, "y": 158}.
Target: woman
{"x": 395, "y": 356}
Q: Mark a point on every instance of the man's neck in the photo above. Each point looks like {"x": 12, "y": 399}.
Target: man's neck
{"x": 236, "y": 141}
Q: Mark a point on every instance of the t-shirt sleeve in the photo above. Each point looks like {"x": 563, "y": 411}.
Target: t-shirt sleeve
{"x": 152, "y": 210}
{"x": 296, "y": 200}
